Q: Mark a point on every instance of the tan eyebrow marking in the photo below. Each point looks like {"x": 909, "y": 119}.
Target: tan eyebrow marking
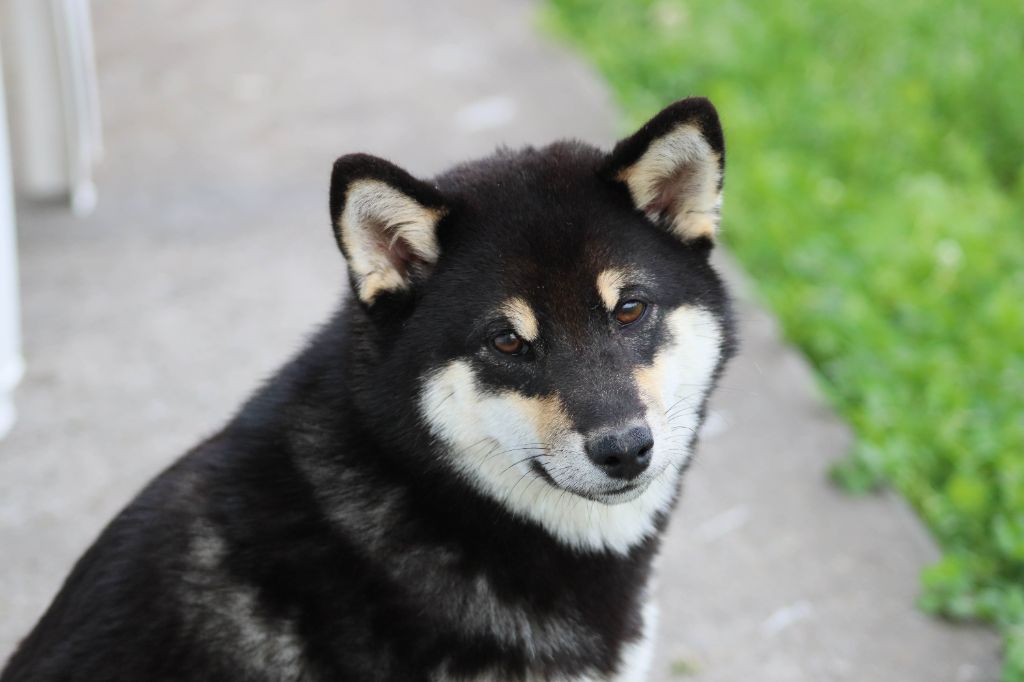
{"x": 609, "y": 284}
{"x": 522, "y": 318}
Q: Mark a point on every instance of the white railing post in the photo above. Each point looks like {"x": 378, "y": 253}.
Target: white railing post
{"x": 11, "y": 365}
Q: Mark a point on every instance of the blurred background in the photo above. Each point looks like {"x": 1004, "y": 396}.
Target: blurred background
{"x": 857, "y": 510}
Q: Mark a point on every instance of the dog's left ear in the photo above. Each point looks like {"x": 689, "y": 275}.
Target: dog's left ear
{"x": 673, "y": 168}
{"x": 385, "y": 222}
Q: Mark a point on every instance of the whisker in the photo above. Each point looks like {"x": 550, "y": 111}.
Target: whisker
{"x": 525, "y": 459}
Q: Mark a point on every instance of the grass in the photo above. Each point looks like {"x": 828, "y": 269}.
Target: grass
{"x": 875, "y": 190}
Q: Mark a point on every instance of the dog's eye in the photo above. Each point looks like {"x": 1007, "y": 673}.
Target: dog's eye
{"x": 510, "y": 343}
{"x": 629, "y": 312}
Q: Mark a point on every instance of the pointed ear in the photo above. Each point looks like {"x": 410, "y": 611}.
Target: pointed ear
{"x": 673, "y": 168}
{"x": 385, "y": 222}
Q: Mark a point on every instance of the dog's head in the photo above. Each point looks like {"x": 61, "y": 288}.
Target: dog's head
{"x": 556, "y": 313}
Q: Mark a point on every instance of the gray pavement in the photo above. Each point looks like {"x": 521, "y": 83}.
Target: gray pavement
{"x": 210, "y": 258}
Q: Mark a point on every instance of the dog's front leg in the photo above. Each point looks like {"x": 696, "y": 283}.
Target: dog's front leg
{"x": 637, "y": 655}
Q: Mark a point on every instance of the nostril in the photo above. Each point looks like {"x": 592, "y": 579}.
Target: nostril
{"x": 644, "y": 454}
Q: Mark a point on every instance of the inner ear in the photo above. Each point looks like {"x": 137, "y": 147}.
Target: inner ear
{"x": 385, "y": 222}
{"x": 673, "y": 167}
{"x": 402, "y": 255}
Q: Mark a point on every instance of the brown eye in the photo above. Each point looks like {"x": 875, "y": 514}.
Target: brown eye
{"x": 629, "y": 312}
{"x": 509, "y": 343}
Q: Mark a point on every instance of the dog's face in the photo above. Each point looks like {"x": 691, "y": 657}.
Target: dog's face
{"x": 558, "y": 313}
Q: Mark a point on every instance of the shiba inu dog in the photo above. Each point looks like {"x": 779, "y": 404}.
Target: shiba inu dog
{"x": 465, "y": 473}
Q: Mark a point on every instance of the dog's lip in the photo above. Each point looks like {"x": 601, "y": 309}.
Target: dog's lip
{"x": 539, "y": 469}
{"x": 626, "y": 489}
{"x": 595, "y": 495}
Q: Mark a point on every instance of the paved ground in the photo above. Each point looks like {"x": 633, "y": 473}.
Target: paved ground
{"x": 210, "y": 258}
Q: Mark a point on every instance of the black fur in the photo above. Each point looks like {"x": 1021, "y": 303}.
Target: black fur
{"x": 340, "y": 533}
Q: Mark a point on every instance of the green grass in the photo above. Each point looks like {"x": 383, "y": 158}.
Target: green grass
{"x": 875, "y": 191}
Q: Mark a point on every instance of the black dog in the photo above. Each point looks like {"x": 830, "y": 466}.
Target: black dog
{"x": 464, "y": 476}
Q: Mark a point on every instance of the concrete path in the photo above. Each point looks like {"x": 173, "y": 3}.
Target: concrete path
{"x": 210, "y": 258}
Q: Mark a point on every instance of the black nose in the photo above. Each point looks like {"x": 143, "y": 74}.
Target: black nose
{"x": 622, "y": 453}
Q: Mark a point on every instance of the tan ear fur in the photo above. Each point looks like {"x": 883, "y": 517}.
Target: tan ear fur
{"x": 387, "y": 236}
{"x": 678, "y": 179}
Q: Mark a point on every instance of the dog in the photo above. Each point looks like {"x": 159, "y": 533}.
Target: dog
{"x": 466, "y": 472}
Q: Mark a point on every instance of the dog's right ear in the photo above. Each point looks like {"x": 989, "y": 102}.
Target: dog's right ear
{"x": 673, "y": 168}
{"x": 385, "y": 222}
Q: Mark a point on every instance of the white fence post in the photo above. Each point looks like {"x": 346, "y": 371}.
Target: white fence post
{"x": 11, "y": 364}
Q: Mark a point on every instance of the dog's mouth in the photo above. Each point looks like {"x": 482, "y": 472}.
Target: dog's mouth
{"x": 615, "y": 494}
{"x": 539, "y": 469}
